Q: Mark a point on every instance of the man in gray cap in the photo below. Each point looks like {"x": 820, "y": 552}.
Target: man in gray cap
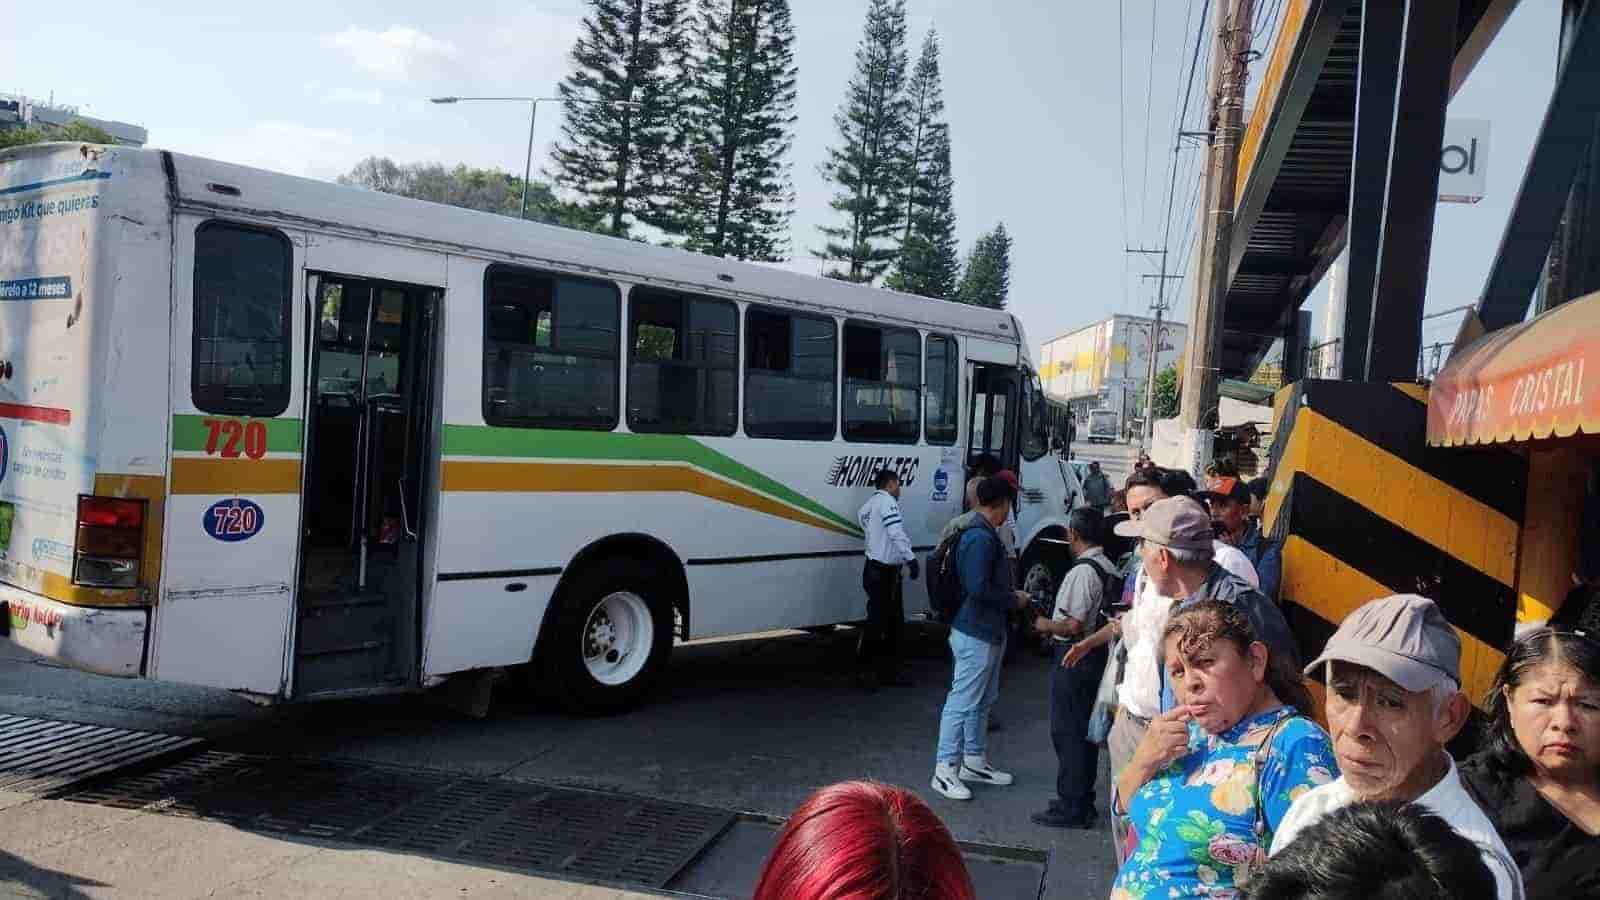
{"x": 1178, "y": 553}
{"x": 1393, "y": 671}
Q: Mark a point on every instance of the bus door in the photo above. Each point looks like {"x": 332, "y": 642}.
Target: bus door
{"x": 230, "y": 528}
{"x": 996, "y": 393}
{"x": 370, "y": 423}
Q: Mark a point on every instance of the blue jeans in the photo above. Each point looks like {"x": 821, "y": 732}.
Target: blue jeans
{"x": 964, "y": 726}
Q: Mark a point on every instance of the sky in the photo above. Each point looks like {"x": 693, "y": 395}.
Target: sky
{"x": 1046, "y": 136}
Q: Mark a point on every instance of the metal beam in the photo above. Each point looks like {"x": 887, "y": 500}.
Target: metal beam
{"x": 1290, "y": 79}
{"x": 1412, "y": 190}
{"x": 1382, "y": 23}
{"x": 1558, "y": 152}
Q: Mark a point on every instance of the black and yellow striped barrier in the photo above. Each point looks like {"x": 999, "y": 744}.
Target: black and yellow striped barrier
{"x": 1365, "y": 508}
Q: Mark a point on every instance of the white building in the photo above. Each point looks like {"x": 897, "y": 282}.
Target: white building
{"x": 17, "y": 111}
{"x": 1106, "y": 365}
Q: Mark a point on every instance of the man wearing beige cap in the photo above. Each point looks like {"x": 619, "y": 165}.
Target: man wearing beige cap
{"x": 1177, "y": 554}
{"x": 1394, "y": 701}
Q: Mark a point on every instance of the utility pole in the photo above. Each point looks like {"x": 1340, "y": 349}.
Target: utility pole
{"x": 1160, "y": 306}
{"x": 1229, "y": 72}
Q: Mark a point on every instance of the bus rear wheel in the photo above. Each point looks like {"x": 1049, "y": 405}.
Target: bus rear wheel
{"x": 610, "y": 634}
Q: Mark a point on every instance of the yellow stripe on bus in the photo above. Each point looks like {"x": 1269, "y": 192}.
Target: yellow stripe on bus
{"x": 235, "y": 476}
{"x": 586, "y": 478}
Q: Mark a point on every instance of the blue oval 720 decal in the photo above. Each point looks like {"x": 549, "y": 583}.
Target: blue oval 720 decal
{"x": 234, "y": 520}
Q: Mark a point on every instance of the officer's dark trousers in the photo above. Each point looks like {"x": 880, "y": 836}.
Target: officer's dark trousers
{"x": 1071, "y": 701}
{"x": 879, "y": 649}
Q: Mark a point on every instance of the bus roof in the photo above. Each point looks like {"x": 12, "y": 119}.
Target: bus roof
{"x": 205, "y": 185}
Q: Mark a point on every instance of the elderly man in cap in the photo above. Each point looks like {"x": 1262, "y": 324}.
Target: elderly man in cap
{"x": 1178, "y": 554}
{"x": 1394, "y": 701}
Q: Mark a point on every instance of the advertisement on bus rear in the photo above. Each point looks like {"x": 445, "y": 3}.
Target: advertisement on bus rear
{"x": 50, "y": 210}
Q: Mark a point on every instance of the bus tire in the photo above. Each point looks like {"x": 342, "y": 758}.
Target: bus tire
{"x": 608, "y": 637}
{"x": 1043, "y": 567}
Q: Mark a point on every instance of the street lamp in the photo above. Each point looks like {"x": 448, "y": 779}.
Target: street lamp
{"x": 533, "y": 113}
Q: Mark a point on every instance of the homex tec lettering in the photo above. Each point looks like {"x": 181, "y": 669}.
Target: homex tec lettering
{"x": 57, "y": 288}
{"x": 858, "y": 471}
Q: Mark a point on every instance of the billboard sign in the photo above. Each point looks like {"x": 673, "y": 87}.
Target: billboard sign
{"x": 1464, "y": 161}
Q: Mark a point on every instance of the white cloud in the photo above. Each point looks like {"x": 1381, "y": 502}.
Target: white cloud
{"x": 400, "y": 53}
{"x": 288, "y": 147}
{"x": 354, "y": 95}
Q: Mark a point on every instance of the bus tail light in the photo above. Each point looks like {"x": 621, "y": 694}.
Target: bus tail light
{"x": 110, "y": 542}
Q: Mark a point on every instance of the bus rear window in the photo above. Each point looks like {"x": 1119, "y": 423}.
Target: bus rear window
{"x": 241, "y": 320}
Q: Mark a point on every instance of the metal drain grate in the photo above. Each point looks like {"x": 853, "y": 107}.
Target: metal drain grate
{"x": 41, "y": 755}
{"x": 485, "y": 821}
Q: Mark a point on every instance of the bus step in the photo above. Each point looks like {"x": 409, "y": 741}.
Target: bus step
{"x": 363, "y": 647}
{"x": 342, "y": 601}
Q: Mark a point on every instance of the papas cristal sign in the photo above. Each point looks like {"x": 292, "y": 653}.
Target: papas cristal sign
{"x": 1527, "y": 382}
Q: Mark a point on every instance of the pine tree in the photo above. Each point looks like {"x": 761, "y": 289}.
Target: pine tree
{"x": 928, "y": 263}
{"x": 736, "y": 198}
{"x": 620, "y": 159}
{"x": 868, "y": 164}
{"x": 987, "y": 280}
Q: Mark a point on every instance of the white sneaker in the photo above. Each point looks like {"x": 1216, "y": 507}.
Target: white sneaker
{"x": 977, "y": 770}
{"x": 947, "y": 782}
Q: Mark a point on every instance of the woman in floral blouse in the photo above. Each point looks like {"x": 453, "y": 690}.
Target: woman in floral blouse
{"x": 1214, "y": 777}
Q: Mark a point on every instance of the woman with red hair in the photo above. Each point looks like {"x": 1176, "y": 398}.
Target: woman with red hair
{"x": 860, "y": 840}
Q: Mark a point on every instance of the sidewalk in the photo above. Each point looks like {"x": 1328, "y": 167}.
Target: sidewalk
{"x": 60, "y": 849}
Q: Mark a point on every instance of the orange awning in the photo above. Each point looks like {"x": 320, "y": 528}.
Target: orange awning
{"x": 1525, "y": 382}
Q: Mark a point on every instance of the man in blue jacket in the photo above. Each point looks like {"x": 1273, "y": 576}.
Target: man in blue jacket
{"x": 977, "y": 642}
{"x": 1230, "y": 517}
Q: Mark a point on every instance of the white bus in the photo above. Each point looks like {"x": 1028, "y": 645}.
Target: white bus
{"x": 302, "y": 441}
{"x": 1104, "y": 426}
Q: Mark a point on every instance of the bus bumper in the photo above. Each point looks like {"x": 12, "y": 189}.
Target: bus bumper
{"x": 104, "y": 641}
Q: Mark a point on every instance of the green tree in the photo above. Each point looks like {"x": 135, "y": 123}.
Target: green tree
{"x": 987, "y": 280}
{"x": 486, "y": 190}
{"x": 1166, "y": 399}
{"x": 868, "y": 163}
{"x": 621, "y": 159}
{"x": 737, "y": 199}
{"x": 928, "y": 263}
{"x": 39, "y": 134}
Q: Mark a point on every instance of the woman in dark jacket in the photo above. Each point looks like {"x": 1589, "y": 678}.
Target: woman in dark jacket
{"x": 1538, "y": 777}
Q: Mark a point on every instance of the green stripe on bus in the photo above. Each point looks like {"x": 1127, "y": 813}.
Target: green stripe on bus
{"x": 190, "y": 434}
{"x": 536, "y": 443}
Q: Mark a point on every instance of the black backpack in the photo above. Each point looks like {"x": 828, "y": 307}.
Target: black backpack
{"x": 1110, "y": 592}
{"x": 944, "y": 580}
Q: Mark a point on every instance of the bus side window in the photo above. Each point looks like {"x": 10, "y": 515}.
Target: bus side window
{"x": 550, "y": 350}
{"x": 882, "y": 383}
{"x": 240, "y": 359}
{"x": 943, "y": 375}
{"x": 790, "y": 375}
{"x": 683, "y": 363}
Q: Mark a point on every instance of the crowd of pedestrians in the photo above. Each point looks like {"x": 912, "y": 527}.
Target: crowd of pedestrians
{"x": 1227, "y": 779}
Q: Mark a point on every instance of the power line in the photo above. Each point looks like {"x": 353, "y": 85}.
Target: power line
{"x": 1266, "y": 28}
{"x": 1192, "y": 205}
{"x": 1122, "y": 125}
{"x": 1177, "y": 143}
{"x": 1149, "y": 92}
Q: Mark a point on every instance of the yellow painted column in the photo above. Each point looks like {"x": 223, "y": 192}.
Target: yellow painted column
{"x": 1556, "y": 483}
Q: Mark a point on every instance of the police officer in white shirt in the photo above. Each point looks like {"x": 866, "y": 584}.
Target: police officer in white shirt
{"x": 888, "y": 546}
